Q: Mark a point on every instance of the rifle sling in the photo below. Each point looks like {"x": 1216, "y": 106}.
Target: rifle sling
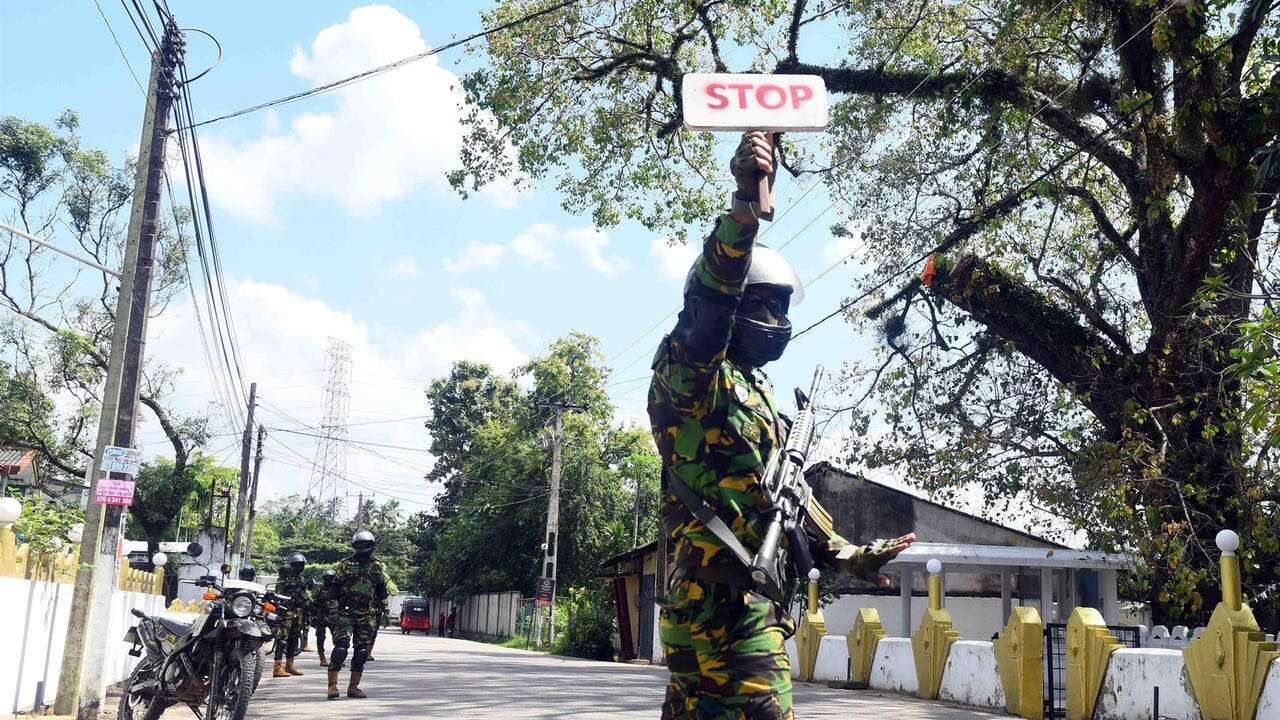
{"x": 705, "y": 515}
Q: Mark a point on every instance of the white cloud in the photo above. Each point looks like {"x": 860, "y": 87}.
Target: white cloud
{"x": 405, "y": 266}
{"x": 283, "y": 336}
{"x": 674, "y": 261}
{"x": 386, "y": 138}
{"x": 591, "y": 241}
{"x": 539, "y": 244}
{"x": 534, "y": 244}
{"x": 475, "y": 255}
{"x": 849, "y": 247}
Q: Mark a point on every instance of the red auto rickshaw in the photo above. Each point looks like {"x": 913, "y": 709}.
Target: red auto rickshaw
{"x": 415, "y": 614}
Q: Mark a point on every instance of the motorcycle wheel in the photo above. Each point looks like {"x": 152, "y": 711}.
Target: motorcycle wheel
{"x": 235, "y": 689}
{"x": 140, "y": 707}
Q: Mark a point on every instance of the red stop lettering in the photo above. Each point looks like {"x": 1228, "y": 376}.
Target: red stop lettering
{"x": 771, "y": 97}
{"x": 799, "y": 94}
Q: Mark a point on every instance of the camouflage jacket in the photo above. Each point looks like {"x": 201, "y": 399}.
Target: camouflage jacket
{"x": 714, "y": 420}
{"x": 360, "y": 585}
{"x": 319, "y": 603}
{"x": 293, "y": 585}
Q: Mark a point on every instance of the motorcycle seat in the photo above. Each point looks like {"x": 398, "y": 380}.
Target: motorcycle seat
{"x": 177, "y": 628}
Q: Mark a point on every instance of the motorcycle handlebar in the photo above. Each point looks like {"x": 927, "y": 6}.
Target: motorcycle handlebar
{"x": 138, "y": 613}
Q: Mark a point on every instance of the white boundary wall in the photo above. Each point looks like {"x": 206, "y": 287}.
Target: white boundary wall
{"x": 1127, "y": 691}
{"x": 37, "y": 613}
{"x": 894, "y": 668}
{"x": 971, "y": 676}
{"x": 1269, "y": 703}
{"x": 491, "y": 614}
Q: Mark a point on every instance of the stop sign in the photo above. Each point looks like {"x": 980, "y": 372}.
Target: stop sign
{"x": 772, "y": 103}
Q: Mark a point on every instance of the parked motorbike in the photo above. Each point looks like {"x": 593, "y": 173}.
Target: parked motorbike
{"x": 212, "y": 662}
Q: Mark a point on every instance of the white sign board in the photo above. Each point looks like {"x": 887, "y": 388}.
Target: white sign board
{"x": 772, "y": 103}
{"x": 121, "y": 460}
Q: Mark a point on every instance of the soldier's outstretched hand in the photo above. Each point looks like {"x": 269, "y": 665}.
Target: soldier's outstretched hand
{"x": 753, "y": 158}
{"x": 864, "y": 562}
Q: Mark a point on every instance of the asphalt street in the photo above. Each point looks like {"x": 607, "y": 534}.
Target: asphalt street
{"x": 431, "y": 677}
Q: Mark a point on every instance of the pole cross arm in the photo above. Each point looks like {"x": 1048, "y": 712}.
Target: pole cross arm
{"x": 46, "y": 244}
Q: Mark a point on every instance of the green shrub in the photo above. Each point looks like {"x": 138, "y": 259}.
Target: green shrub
{"x": 585, "y": 623}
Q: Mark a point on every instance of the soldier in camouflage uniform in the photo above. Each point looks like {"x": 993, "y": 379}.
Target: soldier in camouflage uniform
{"x": 289, "y": 639}
{"x": 360, "y": 592}
{"x": 716, "y": 425}
{"x": 319, "y": 607}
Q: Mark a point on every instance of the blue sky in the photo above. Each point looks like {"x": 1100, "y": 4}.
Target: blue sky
{"x": 334, "y": 219}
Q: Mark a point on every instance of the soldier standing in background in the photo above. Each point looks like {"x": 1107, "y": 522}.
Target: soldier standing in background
{"x": 360, "y": 594}
{"x": 289, "y": 640}
{"x": 319, "y": 607}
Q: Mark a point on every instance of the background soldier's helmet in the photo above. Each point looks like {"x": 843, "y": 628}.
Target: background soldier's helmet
{"x": 328, "y": 576}
{"x": 298, "y": 561}
{"x": 248, "y": 572}
{"x": 363, "y": 542}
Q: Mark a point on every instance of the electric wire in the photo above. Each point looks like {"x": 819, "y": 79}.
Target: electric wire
{"x": 389, "y": 66}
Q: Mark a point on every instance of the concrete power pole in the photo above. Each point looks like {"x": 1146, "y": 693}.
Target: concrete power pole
{"x": 242, "y": 496}
{"x": 80, "y": 687}
{"x": 551, "y": 540}
{"x": 253, "y": 496}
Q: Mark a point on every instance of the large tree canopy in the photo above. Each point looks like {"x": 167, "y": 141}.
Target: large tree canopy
{"x": 1096, "y": 181}
{"x": 59, "y": 317}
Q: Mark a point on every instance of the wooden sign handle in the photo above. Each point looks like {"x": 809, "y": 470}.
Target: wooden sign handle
{"x": 766, "y": 185}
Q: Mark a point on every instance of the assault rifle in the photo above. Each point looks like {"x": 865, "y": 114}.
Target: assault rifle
{"x": 795, "y": 513}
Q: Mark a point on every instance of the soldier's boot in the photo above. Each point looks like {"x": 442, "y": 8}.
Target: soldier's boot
{"x": 279, "y": 671}
{"x": 353, "y": 687}
{"x": 333, "y": 685}
{"x": 290, "y": 669}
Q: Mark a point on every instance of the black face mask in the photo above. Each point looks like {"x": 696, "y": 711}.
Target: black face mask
{"x": 761, "y": 329}
{"x": 363, "y": 553}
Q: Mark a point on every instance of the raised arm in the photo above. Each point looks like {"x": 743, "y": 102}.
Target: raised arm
{"x": 701, "y": 335}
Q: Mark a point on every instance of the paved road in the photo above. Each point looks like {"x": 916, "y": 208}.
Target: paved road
{"x": 442, "y": 679}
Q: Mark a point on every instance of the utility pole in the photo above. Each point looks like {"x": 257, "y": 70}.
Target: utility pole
{"x": 80, "y": 687}
{"x": 359, "y": 512}
{"x": 242, "y": 496}
{"x": 253, "y": 496}
{"x": 551, "y": 539}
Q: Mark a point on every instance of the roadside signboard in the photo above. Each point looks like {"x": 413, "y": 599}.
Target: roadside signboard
{"x": 121, "y": 460}
{"x": 544, "y": 592}
{"x": 771, "y": 103}
{"x": 113, "y": 492}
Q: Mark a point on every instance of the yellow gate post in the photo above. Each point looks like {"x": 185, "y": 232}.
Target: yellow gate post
{"x": 10, "y": 509}
{"x": 863, "y": 638}
{"x": 812, "y": 628}
{"x": 1089, "y": 649}
{"x": 1020, "y": 656}
{"x": 932, "y": 641}
{"x": 1229, "y": 661}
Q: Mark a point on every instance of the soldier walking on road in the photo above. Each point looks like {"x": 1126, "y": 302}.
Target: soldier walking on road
{"x": 319, "y": 607}
{"x": 360, "y": 594}
{"x": 289, "y": 640}
{"x": 716, "y": 427}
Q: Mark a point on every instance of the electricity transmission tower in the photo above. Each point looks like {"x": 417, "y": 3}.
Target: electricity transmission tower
{"x": 329, "y": 472}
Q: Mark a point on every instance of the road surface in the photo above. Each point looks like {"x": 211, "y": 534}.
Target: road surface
{"x": 442, "y": 679}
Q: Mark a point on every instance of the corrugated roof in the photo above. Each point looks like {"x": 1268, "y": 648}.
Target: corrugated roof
{"x": 13, "y": 460}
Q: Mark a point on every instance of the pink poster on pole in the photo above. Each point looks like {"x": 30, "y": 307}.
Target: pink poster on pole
{"x": 113, "y": 492}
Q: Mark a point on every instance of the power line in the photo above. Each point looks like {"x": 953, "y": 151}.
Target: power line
{"x": 388, "y": 67}
{"x": 119, "y": 47}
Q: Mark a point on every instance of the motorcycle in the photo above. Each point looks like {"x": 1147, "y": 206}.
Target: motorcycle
{"x": 214, "y": 661}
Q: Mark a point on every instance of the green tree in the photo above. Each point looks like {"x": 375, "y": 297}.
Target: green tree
{"x": 489, "y": 536}
{"x": 165, "y": 497}
{"x": 1097, "y": 181}
{"x": 51, "y": 186}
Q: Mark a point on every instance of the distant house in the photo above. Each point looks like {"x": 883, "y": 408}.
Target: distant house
{"x": 990, "y": 566}
{"x": 18, "y": 467}
{"x": 21, "y": 468}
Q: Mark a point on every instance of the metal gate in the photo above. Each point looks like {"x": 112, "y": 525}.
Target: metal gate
{"x": 1055, "y": 663}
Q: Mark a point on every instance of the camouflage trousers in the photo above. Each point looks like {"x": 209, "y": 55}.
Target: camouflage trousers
{"x": 727, "y": 655}
{"x": 348, "y": 626}
{"x": 290, "y": 636}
